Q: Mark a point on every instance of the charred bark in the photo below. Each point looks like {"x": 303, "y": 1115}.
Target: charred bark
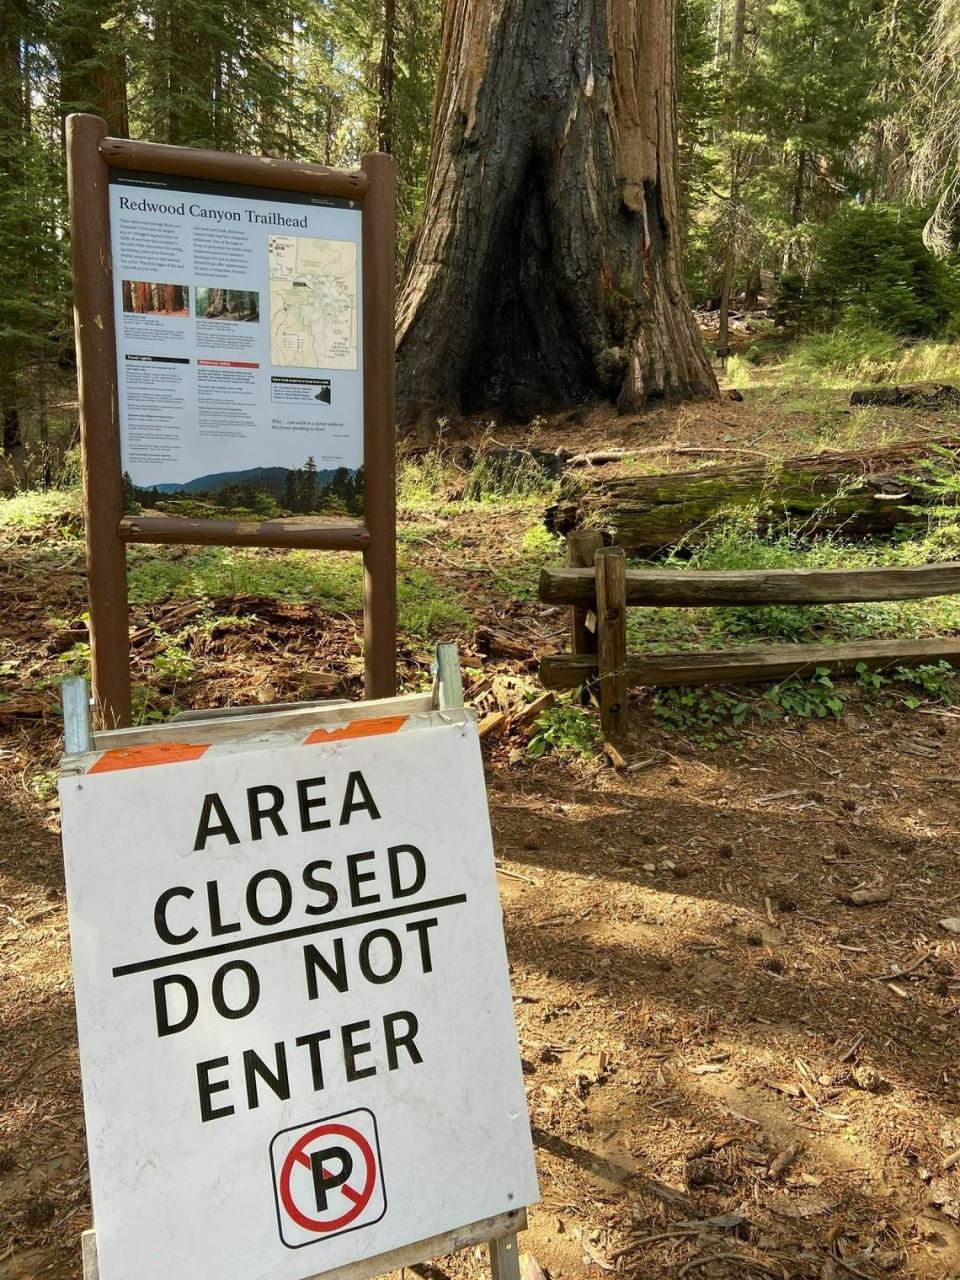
{"x": 547, "y": 269}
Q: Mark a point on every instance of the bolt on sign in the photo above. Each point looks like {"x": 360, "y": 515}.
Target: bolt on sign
{"x": 296, "y": 1027}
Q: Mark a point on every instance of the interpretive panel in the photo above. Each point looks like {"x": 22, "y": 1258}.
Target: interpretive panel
{"x": 239, "y": 346}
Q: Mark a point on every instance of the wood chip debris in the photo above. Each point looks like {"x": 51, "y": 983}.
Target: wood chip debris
{"x": 868, "y": 897}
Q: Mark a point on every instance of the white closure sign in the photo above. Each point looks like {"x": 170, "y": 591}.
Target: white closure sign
{"x": 296, "y": 1027}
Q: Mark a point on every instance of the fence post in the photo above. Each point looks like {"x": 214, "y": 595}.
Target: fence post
{"x": 582, "y": 546}
{"x": 611, "y": 568}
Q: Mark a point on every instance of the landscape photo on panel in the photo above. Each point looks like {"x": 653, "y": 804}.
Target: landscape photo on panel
{"x": 239, "y": 360}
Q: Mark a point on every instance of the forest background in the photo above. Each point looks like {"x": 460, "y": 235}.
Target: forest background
{"x": 817, "y": 148}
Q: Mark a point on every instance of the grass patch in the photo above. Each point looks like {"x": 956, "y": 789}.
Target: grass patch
{"x": 437, "y": 483}
{"x": 733, "y": 546}
{"x": 852, "y": 354}
{"x": 218, "y": 572}
{"x": 425, "y": 608}
{"x": 518, "y": 577}
{"x": 36, "y": 509}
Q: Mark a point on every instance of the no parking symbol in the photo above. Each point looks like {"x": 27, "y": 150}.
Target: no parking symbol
{"x": 327, "y": 1177}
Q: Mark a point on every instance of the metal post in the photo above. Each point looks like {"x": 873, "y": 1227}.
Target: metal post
{"x": 77, "y": 724}
{"x": 449, "y": 684}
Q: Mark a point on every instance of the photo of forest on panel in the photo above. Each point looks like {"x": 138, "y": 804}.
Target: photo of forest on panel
{"x": 265, "y": 492}
{"x": 227, "y": 304}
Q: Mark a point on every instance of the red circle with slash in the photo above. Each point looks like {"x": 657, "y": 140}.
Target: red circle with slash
{"x": 360, "y": 1196}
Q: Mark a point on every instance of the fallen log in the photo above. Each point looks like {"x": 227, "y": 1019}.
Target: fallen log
{"x": 912, "y": 395}
{"x": 859, "y": 495}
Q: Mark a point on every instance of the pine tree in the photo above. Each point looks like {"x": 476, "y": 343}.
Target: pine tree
{"x": 308, "y": 486}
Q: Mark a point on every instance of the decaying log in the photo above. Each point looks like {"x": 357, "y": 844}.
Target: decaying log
{"x": 860, "y": 495}
{"x": 913, "y": 395}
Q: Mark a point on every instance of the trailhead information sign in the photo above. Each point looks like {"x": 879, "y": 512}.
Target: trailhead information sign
{"x": 296, "y": 1027}
{"x": 239, "y": 344}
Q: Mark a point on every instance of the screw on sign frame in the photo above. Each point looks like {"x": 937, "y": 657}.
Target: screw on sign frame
{"x": 90, "y": 156}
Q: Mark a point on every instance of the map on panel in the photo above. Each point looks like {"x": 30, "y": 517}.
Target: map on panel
{"x": 313, "y": 302}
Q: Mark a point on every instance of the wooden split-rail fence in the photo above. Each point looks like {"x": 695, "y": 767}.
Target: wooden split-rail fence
{"x": 599, "y": 588}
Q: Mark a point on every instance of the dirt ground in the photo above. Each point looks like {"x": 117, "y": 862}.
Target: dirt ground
{"x": 732, "y": 1069}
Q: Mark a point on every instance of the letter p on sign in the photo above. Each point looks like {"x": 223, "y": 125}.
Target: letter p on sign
{"x": 327, "y": 1177}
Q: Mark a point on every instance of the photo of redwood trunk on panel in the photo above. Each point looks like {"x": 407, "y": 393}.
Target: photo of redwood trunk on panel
{"x": 143, "y": 297}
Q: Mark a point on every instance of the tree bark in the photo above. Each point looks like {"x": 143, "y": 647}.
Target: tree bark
{"x": 92, "y": 68}
{"x": 385, "y": 77}
{"x": 860, "y": 495}
{"x": 737, "y": 29}
{"x": 547, "y": 269}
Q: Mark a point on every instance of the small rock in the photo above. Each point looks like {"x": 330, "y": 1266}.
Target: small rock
{"x": 668, "y": 865}
{"x": 951, "y": 924}
{"x": 650, "y": 866}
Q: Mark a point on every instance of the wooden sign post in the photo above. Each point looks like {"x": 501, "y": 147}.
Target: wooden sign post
{"x": 174, "y": 361}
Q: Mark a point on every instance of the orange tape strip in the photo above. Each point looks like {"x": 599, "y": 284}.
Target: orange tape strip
{"x": 357, "y": 729}
{"x": 153, "y": 753}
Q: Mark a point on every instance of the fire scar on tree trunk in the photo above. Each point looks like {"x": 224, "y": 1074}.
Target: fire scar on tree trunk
{"x": 547, "y": 269}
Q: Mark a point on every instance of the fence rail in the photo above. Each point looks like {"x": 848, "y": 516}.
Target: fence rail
{"x": 599, "y": 595}
{"x": 702, "y": 588}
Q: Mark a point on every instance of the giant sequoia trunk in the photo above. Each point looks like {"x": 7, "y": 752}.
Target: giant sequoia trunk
{"x": 547, "y": 269}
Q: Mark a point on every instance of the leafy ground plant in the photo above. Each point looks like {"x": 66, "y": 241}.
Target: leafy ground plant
{"x": 698, "y": 712}
{"x": 567, "y": 730}
{"x": 812, "y": 699}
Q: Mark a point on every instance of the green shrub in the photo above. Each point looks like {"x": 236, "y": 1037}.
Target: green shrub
{"x": 565, "y": 729}
{"x": 854, "y": 347}
{"x": 873, "y": 268}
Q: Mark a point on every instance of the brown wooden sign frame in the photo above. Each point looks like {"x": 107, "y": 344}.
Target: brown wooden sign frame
{"x": 90, "y": 156}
